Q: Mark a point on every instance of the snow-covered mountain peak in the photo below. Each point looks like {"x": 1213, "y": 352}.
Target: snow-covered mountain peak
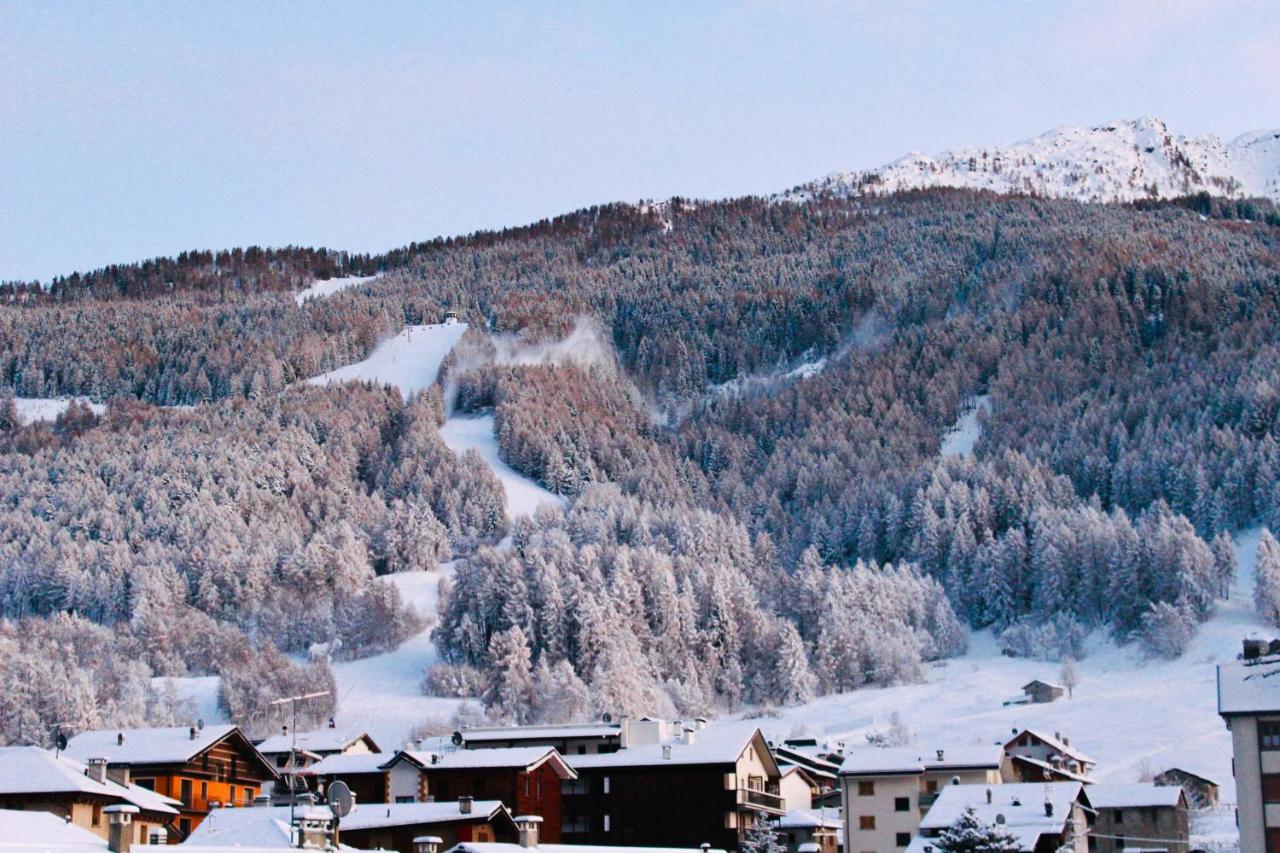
{"x": 1122, "y": 161}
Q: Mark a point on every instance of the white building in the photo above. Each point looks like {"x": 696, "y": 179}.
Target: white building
{"x": 886, "y": 791}
{"x": 1249, "y": 702}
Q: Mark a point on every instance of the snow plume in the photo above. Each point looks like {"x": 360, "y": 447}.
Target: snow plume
{"x": 587, "y": 345}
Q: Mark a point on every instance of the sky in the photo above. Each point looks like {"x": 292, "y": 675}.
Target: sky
{"x": 131, "y": 130}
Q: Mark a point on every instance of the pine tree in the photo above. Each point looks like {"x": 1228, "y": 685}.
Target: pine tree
{"x": 970, "y": 835}
{"x": 1266, "y": 592}
{"x": 512, "y": 686}
{"x": 761, "y": 837}
{"x": 1224, "y": 562}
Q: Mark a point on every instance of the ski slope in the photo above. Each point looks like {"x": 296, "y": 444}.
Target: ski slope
{"x": 410, "y": 360}
{"x": 1132, "y": 715}
{"x": 35, "y": 409}
{"x": 477, "y": 433}
{"x": 321, "y": 289}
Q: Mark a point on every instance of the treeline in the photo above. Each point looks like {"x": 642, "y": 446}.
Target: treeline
{"x": 630, "y": 607}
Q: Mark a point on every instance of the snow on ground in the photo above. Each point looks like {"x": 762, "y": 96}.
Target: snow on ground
{"x": 382, "y": 694}
{"x": 321, "y": 289}
{"x": 410, "y": 360}
{"x": 33, "y": 409}
{"x": 523, "y": 494}
{"x": 1131, "y": 714}
{"x": 964, "y": 433}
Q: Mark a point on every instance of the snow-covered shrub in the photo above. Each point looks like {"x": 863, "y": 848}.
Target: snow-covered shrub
{"x": 1056, "y": 639}
{"x": 457, "y": 681}
{"x": 1167, "y": 629}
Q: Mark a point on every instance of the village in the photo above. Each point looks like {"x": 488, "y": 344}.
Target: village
{"x": 642, "y": 784}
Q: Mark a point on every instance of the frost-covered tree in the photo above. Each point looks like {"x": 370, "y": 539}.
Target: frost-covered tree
{"x": 511, "y": 688}
{"x": 1266, "y": 591}
{"x": 762, "y": 837}
{"x": 1069, "y": 675}
{"x": 970, "y": 835}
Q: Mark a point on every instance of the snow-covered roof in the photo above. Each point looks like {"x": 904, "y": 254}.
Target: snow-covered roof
{"x": 269, "y": 826}
{"x": 173, "y": 745}
{"x": 1020, "y": 805}
{"x": 810, "y": 819}
{"x": 1132, "y": 795}
{"x": 515, "y": 733}
{"x": 32, "y": 830}
{"x": 339, "y": 765}
{"x": 500, "y": 847}
{"x": 1249, "y": 686}
{"x": 516, "y": 757}
{"x": 1054, "y": 742}
{"x": 1039, "y": 682}
{"x": 719, "y": 743}
{"x": 873, "y": 760}
{"x": 319, "y": 741}
{"x": 812, "y": 763}
{"x": 32, "y": 770}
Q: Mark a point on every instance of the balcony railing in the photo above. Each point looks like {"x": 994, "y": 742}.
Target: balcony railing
{"x": 765, "y": 801}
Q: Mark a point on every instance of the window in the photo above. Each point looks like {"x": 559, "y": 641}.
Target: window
{"x": 442, "y": 791}
{"x": 866, "y": 789}
{"x": 282, "y": 759}
{"x": 1119, "y": 815}
{"x": 575, "y": 823}
{"x": 902, "y": 804}
{"x": 186, "y": 795}
{"x": 1269, "y": 734}
{"x": 931, "y": 786}
{"x": 232, "y": 799}
{"x": 97, "y": 814}
{"x": 408, "y": 799}
{"x": 606, "y": 823}
{"x": 184, "y": 826}
{"x": 1271, "y": 788}
{"x": 204, "y": 790}
{"x": 582, "y": 749}
{"x": 149, "y": 784}
{"x": 567, "y": 787}
{"x": 606, "y": 784}
{"x": 867, "y": 821}
{"x": 902, "y": 839}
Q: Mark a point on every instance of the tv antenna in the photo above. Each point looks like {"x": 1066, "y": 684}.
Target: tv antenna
{"x": 293, "y": 743}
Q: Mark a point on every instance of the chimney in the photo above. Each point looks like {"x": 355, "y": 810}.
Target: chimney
{"x": 333, "y": 724}
{"x": 940, "y": 755}
{"x": 704, "y": 847}
{"x": 120, "y": 827}
{"x": 988, "y": 796}
{"x": 313, "y": 828}
{"x": 1066, "y": 741}
{"x": 1048, "y": 808}
{"x": 666, "y": 752}
{"x": 700, "y": 723}
{"x": 528, "y": 827}
{"x": 120, "y": 739}
{"x": 97, "y": 770}
{"x": 120, "y": 775}
{"x": 464, "y": 805}
{"x": 427, "y": 844}
{"x": 284, "y": 730}
{"x": 192, "y": 733}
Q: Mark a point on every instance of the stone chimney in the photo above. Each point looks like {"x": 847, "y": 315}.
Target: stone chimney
{"x": 120, "y": 774}
{"x": 120, "y": 827}
{"x": 333, "y": 724}
{"x": 1048, "y": 808}
{"x": 666, "y": 752}
{"x": 427, "y": 844}
{"x": 191, "y": 733}
{"x": 940, "y": 753}
{"x": 312, "y": 829}
{"x": 988, "y": 796}
{"x": 120, "y": 739}
{"x": 464, "y": 805}
{"x": 97, "y": 770}
{"x": 528, "y": 828}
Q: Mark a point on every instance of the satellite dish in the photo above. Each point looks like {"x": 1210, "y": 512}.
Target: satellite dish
{"x": 200, "y": 724}
{"x": 341, "y": 800}
{"x": 457, "y": 738}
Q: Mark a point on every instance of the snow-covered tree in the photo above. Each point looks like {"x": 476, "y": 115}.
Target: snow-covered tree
{"x": 1266, "y": 591}
{"x": 762, "y": 837}
{"x": 970, "y": 835}
{"x": 1069, "y": 675}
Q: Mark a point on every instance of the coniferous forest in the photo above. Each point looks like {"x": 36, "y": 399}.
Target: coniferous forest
{"x": 738, "y": 531}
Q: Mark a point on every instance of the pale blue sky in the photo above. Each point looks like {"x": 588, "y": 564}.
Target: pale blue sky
{"x": 129, "y": 130}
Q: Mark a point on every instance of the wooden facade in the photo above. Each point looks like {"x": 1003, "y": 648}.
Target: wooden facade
{"x": 479, "y": 828}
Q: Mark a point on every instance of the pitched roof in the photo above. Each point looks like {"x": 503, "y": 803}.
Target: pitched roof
{"x": 500, "y": 847}
{"x": 531, "y": 733}
{"x": 172, "y": 745}
{"x": 1053, "y": 771}
{"x": 32, "y": 830}
{"x": 1019, "y": 806}
{"x": 1056, "y": 743}
{"x": 32, "y": 770}
{"x": 269, "y": 826}
{"x": 262, "y": 828}
{"x": 874, "y": 760}
{"x": 719, "y": 743}
{"x": 810, "y": 819}
{"x": 318, "y": 741}
{"x": 1134, "y": 795}
{"x": 340, "y": 765}
{"x": 817, "y": 766}
{"x": 515, "y": 757}
{"x": 1037, "y": 681}
{"x": 1249, "y": 686}
{"x": 373, "y": 815}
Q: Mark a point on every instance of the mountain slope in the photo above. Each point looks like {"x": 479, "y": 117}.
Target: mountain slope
{"x": 1125, "y": 161}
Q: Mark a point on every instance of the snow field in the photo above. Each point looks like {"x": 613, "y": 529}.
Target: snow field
{"x": 321, "y": 289}
{"x": 477, "y": 433}
{"x": 964, "y": 433}
{"x": 410, "y": 360}
{"x": 34, "y": 409}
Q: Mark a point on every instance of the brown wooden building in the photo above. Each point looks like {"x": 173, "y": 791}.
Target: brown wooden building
{"x": 362, "y": 773}
{"x": 213, "y": 767}
{"x": 35, "y": 780}
{"x": 674, "y": 785}
{"x": 527, "y": 780}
